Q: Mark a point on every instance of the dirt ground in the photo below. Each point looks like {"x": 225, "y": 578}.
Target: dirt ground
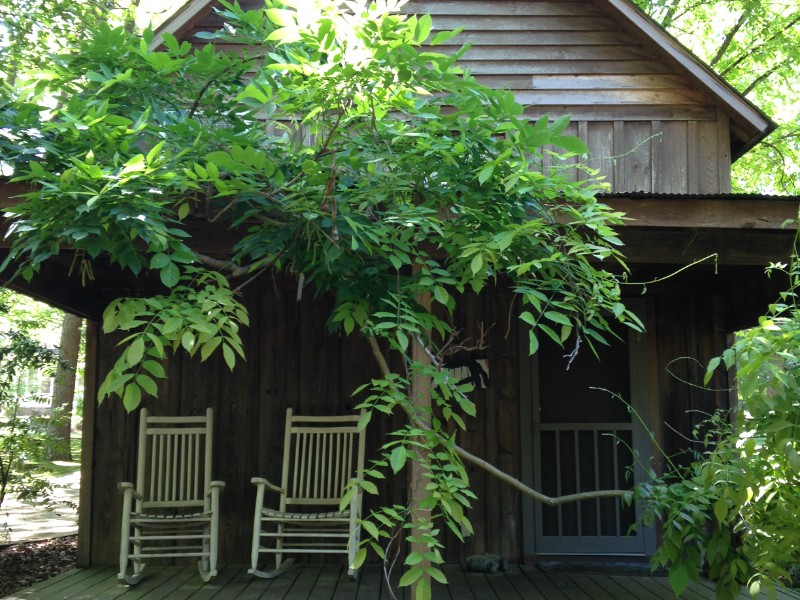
{"x": 23, "y": 564}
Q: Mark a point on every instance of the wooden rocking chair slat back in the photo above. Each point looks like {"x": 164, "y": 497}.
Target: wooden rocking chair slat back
{"x": 175, "y": 453}
{"x": 320, "y": 458}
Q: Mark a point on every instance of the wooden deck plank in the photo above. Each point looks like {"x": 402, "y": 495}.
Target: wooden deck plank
{"x": 195, "y": 589}
{"x": 70, "y": 588}
{"x": 522, "y": 584}
{"x": 481, "y": 588}
{"x": 52, "y": 586}
{"x": 326, "y": 583}
{"x": 241, "y": 583}
{"x": 155, "y": 584}
{"x": 305, "y": 582}
{"x": 543, "y": 583}
{"x": 457, "y": 586}
{"x": 567, "y": 586}
{"x": 278, "y": 588}
{"x": 636, "y": 588}
{"x": 590, "y": 587}
{"x": 254, "y": 588}
{"x": 370, "y": 584}
{"x": 611, "y": 586}
{"x": 330, "y": 582}
{"x": 346, "y": 588}
{"x": 57, "y": 580}
{"x": 501, "y": 585}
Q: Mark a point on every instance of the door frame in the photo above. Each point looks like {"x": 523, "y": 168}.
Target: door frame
{"x": 639, "y": 375}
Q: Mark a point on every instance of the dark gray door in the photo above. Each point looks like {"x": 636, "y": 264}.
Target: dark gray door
{"x": 583, "y": 438}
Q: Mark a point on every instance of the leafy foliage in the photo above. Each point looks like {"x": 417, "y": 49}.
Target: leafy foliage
{"x": 734, "y": 511}
{"x": 24, "y": 439}
{"x": 754, "y": 45}
{"x": 338, "y": 148}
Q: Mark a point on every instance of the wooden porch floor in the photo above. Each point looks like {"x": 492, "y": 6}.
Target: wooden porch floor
{"x": 330, "y": 582}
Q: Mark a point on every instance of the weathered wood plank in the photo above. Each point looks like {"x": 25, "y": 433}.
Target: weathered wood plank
{"x": 567, "y": 586}
{"x": 543, "y": 583}
{"x": 481, "y": 589}
{"x": 305, "y": 583}
{"x": 51, "y": 587}
{"x": 636, "y": 158}
{"x": 522, "y": 584}
{"x": 498, "y": 46}
{"x": 370, "y": 584}
{"x": 462, "y": 8}
{"x": 528, "y": 95}
{"x": 591, "y": 588}
{"x": 528, "y": 24}
{"x": 711, "y": 213}
{"x": 608, "y": 82}
{"x": 457, "y": 586}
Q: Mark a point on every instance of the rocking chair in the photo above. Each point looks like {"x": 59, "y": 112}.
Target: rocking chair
{"x": 321, "y": 455}
{"x": 173, "y": 510}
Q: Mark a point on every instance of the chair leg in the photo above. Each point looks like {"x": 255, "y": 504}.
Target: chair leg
{"x": 137, "y": 566}
{"x": 281, "y": 564}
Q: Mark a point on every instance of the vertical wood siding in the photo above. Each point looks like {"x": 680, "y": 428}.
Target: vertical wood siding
{"x": 647, "y": 128}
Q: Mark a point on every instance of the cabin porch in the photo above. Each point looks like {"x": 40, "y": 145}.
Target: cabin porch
{"x": 330, "y": 582}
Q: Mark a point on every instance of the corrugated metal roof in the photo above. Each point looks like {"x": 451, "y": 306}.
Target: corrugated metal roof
{"x": 732, "y": 197}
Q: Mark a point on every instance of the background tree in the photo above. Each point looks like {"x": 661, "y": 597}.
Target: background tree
{"x": 32, "y": 31}
{"x": 62, "y": 401}
{"x": 340, "y": 149}
{"x": 755, "y": 46}
{"x": 24, "y": 439}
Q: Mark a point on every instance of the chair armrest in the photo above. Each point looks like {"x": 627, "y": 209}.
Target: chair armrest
{"x": 260, "y": 481}
{"x": 217, "y": 484}
{"x": 126, "y": 487}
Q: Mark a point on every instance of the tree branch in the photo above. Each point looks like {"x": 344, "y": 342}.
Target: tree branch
{"x": 490, "y": 468}
{"x": 235, "y": 270}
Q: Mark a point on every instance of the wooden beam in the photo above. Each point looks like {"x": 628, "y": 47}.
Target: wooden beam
{"x": 708, "y": 213}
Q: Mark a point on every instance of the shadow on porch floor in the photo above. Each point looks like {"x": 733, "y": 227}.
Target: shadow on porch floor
{"x": 330, "y": 582}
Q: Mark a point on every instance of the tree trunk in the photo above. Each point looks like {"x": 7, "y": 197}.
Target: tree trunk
{"x": 64, "y": 387}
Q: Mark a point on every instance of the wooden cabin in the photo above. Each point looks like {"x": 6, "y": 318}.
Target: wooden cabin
{"x": 664, "y": 130}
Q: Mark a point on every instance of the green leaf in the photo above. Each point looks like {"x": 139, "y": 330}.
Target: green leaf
{"x": 678, "y": 578}
{"x": 135, "y": 352}
{"x": 410, "y": 576}
{"x": 154, "y": 152}
{"x": 721, "y": 509}
{"x": 281, "y": 17}
{"x": 397, "y": 459}
{"x": 188, "y": 341}
{"x": 443, "y": 36}
{"x": 557, "y": 317}
{"x": 476, "y": 264}
{"x": 170, "y": 275}
{"x": 370, "y": 528}
{"x": 154, "y": 368}
{"x": 132, "y": 396}
{"x": 437, "y": 574}
{"x": 359, "y": 558}
{"x": 147, "y": 384}
{"x": 230, "y": 358}
{"x": 423, "y": 29}
{"x": 133, "y": 165}
{"x": 485, "y": 173}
